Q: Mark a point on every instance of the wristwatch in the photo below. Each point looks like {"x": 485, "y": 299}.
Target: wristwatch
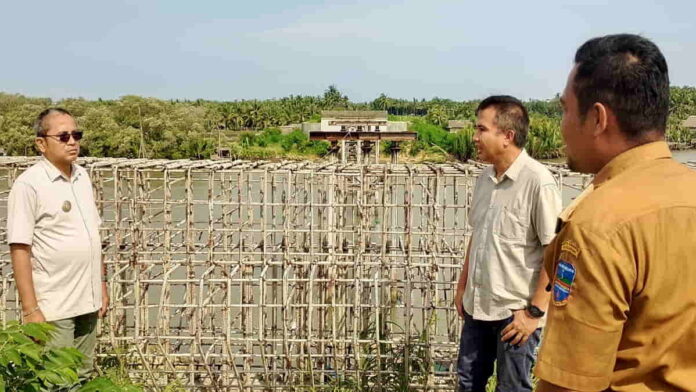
{"x": 534, "y": 311}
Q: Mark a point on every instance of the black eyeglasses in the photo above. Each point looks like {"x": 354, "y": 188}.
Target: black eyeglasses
{"x": 64, "y": 137}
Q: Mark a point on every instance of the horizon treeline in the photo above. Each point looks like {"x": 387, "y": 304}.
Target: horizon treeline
{"x": 134, "y": 126}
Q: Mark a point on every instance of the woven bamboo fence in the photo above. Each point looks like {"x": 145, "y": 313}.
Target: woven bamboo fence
{"x": 262, "y": 276}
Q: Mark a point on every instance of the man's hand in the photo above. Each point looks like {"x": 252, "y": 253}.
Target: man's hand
{"x": 105, "y": 300}
{"x": 461, "y": 283}
{"x": 36, "y": 317}
{"x": 518, "y": 331}
{"x": 458, "y": 297}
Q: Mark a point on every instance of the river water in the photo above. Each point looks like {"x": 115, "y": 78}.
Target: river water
{"x": 685, "y": 156}
{"x": 681, "y": 156}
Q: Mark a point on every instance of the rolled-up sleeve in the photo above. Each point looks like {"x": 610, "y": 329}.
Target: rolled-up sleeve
{"x": 548, "y": 207}
{"x": 21, "y": 214}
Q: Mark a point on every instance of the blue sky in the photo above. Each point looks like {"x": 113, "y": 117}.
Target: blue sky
{"x": 227, "y": 50}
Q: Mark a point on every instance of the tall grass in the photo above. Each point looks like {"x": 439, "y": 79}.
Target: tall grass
{"x": 544, "y": 139}
{"x": 271, "y": 143}
{"x": 434, "y": 139}
{"x": 387, "y": 367}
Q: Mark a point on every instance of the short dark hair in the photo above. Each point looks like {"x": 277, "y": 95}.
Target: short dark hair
{"x": 628, "y": 73}
{"x": 40, "y": 123}
{"x": 510, "y": 113}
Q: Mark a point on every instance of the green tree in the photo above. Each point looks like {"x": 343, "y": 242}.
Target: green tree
{"x": 438, "y": 115}
{"x": 333, "y": 99}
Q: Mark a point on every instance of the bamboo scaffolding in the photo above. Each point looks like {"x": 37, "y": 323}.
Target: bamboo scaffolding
{"x": 261, "y": 276}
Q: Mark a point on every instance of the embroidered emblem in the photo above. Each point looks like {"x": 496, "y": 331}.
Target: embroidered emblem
{"x": 66, "y": 206}
{"x": 563, "y": 282}
{"x": 571, "y": 247}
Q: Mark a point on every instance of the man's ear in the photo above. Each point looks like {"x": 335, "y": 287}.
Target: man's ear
{"x": 599, "y": 115}
{"x": 40, "y": 144}
{"x": 509, "y": 137}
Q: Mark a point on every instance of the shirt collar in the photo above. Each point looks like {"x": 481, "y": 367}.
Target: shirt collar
{"x": 54, "y": 174}
{"x": 568, "y": 211}
{"x": 630, "y": 158}
{"x": 513, "y": 172}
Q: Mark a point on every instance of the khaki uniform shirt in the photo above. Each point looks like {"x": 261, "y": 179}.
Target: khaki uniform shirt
{"x": 58, "y": 217}
{"x": 512, "y": 219}
{"x": 623, "y": 269}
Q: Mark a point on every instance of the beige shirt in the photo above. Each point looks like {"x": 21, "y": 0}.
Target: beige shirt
{"x": 58, "y": 217}
{"x": 512, "y": 219}
{"x": 623, "y": 312}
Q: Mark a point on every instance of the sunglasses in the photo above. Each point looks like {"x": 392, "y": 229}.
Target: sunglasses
{"x": 64, "y": 137}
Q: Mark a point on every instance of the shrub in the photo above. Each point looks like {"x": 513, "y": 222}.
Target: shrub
{"x": 26, "y": 364}
{"x": 461, "y": 144}
{"x": 295, "y": 140}
{"x": 544, "y": 139}
{"x": 104, "y": 384}
{"x": 271, "y": 136}
{"x": 247, "y": 139}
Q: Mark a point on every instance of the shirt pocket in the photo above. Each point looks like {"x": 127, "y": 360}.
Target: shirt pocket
{"x": 512, "y": 223}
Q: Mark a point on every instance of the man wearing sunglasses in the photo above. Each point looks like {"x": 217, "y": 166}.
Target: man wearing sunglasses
{"x": 53, "y": 233}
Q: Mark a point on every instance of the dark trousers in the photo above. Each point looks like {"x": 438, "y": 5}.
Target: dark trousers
{"x": 479, "y": 348}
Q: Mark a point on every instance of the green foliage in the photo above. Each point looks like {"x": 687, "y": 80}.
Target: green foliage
{"x": 114, "y": 375}
{"x": 429, "y": 133}
{"x": 315, "y": 118}
{"x": 438, "y": 115}
{"x": 26, "y": 364}
{"x": 682, "y": 105}
{"x": 433, "y": 139}
{"x": 271, "y": 144}
{"x": 544, "y": 139}
{"x": 272, "y": 136}
{"x": 133, "y": 126}
{"x": 294, "y": 140}
{"x": 388, "y": 366}
{"x": 550, "y": 108}
{"x": 333, "y": 99}
{"x": 462, "y": 144}
{"x": 104, "y": 384}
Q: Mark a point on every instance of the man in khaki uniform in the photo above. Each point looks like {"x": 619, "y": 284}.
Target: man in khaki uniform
{"x": 623, "y": 265}
{"x": 53, "y": 233}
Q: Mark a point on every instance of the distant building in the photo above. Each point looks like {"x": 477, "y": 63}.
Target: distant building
{"x": 354, "y": 120}
{"x": 458, "y": 125}
{"x": 221, "y": 153}
{"x": 690, "y": 123}
{"x": 359, "y": 133}
{"x": 309, "y": 127}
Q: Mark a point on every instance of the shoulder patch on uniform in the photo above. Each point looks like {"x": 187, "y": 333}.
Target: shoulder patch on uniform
{"x": 563, "y": 282}
{"x": 570, "y": 247}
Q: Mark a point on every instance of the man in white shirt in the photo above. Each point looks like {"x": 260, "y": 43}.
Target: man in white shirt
{"x": 501, "y": 293}
{"x": 53, "y": 233}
